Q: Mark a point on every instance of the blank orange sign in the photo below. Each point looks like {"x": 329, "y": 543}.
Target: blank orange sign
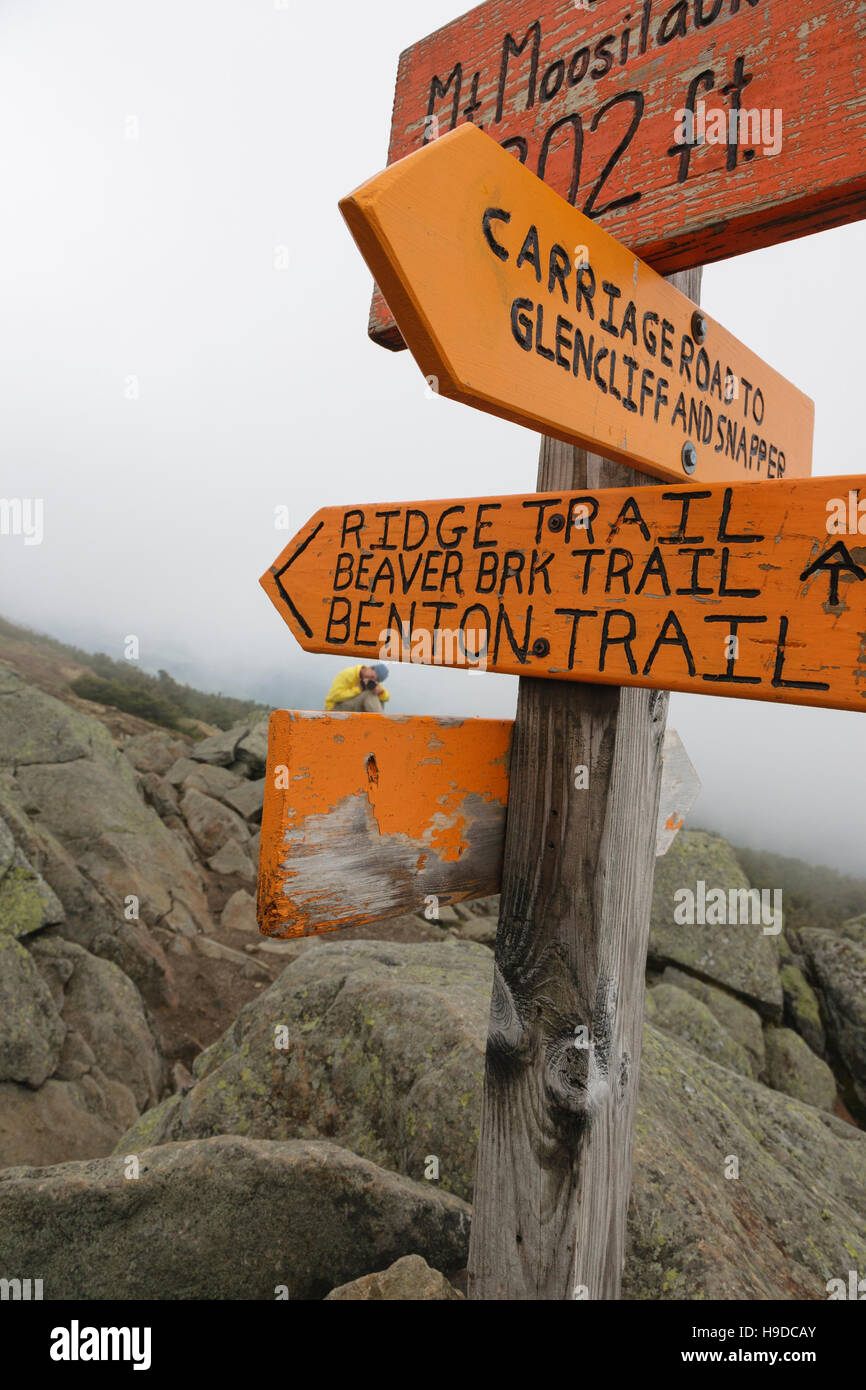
{"x": 725, "y": 590}
{"x": 368, "y": 816}
{"x": 513, "y": 301}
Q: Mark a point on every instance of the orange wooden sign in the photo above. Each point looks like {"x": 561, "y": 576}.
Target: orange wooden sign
{"x": 593, "y": 98}
{"x": 368, "y": 816}
{"x": 725, "y": 590}
{"x": 512, "y": 301}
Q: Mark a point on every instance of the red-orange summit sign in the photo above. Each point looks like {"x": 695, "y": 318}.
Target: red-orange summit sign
{"x": 690, "y": 129}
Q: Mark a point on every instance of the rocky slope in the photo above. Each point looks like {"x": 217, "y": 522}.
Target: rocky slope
{"x": 315, "y": 1104}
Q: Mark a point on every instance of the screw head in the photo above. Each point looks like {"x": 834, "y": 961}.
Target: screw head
{"x": 556, "y": 521}
{"x": 689, "y": 457}
{"x": 540, "y": 646}
{"x": 699, "y": 326}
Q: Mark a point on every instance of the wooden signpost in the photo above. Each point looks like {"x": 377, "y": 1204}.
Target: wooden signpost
{"x": 343, "y": 843}
{"x": 691, "y": 130}
{"x": 592, "y": 98}
{"x": 722, "y": 590}
{"x": 513, "y": 301}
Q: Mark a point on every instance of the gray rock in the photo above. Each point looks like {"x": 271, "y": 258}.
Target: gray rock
{"x": 385, "y": 1053}
{"x": 36, "y": 728}
{"x": 27, "y": 903}
{"x": 792, "y": 1218}
{"x": 741, "y": 1022}
{"x": 154, "y": 752}
{"x": 203, "y": 777}
{"x": 219, "y": 749}
{"x": 794, "y": 1069}
{"x": 140, "y": 956}
{"x": 253, "y": 748}
{"x": 802, "y": 1011}
{"x": 839, "y": 968}
{"x": 480, "y": 929}
{"x": 683, "y": 1016}
{"x": 105, "y": 1009}
{"x": 7, "y": 847}
{"x": 233, "y": 859}
{"x": 740, "y": 957}
{"x": 211, "y": 824}
{"x": 248, "y": 799}
{"x": 31, "y": 1030}
{"x": 160, "y": 794}
{"x": 64, "y": 1119}
{"x": 409, "y": 1280}
{"x": 239, "y": 913}
{"x": 117, "y": 842}
{"x": 225, "y": 1218}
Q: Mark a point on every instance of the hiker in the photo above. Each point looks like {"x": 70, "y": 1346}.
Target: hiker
{"x": 358, "y": 689}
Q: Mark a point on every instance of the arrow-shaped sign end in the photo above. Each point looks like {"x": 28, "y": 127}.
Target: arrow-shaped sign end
{"x": 275, "y": 582}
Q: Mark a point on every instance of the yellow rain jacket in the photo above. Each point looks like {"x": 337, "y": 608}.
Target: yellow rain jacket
{"x": 346, "y": 685}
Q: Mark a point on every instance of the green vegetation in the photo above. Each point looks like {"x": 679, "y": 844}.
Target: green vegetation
{"x": 129, "y": 698}
{"x": 813, "y": 895}
{"x": 124, "y": 685}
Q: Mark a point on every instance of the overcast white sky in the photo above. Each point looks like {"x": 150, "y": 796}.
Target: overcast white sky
{"x": 154, "y": 257}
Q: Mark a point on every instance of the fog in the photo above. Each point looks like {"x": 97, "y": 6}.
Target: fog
{"x": 183, "y": 350}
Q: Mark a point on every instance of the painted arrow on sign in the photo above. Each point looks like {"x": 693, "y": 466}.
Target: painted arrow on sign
{"x": 367, "y": 816}
{"x": 723, "y": 590}
{"x": 514, "y": 302}
{"x": 593, "y": 98}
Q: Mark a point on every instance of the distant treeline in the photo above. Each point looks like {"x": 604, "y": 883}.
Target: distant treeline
{"x": 812, "y": 895}
{"x": 123, "y": 685}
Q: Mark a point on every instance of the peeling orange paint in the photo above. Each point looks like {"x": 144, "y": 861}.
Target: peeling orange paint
{"x": 414, "y": 797}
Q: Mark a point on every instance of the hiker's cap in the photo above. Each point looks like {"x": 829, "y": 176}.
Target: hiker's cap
{"x": 381, "y": 673}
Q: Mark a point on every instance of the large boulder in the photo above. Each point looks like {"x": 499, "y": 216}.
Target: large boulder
{"x": 802, "y": 1010}
{"x": 78, "y": 1057}
{"x": 77, "y": 1113}
{"x": 219, "y": 749}
{"x": 738, "y": 1019}
{"x": 839, "y": 968}
{"x": 683, "y": 1016}
{"x": 27, "y": 903}
{"x": 377, "y": 1044}
{"x": 791, "y": 1218}
{"x": 252, "y": 750}
{"x": 739, "y": 956}
{"x": 153, "y": 752}
{"x": 31, "y": 1030}
{"x": 793, "y": 1068}
{"x": 211, "y": 824}
{"x": 104, "y": 1007}
{"x": 223, "y": 1218}
{"x": 408, "y": 1280}
{"x": 73, "y": 804}
{"x": 385, "y": 1052}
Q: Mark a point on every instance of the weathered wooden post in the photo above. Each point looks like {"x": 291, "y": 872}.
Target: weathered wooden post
{"x": 563, "y": 1051}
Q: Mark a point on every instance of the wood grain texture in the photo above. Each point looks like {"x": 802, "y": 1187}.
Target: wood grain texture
{"x": 555, "y": 1152}
{"x": 565, "y": 330}
{"x": 590, "y": 104}
{"x": 374, "y": 813}
{"x": 365, "y": 815}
